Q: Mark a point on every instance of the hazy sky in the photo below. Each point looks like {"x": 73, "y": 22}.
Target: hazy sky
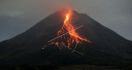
{"x": 16, "y": 16}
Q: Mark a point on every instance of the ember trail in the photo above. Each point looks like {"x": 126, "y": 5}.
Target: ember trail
{"x": 67, "y": 35}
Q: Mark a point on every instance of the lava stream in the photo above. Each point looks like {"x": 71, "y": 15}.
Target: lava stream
{"x": 72, "y": 37}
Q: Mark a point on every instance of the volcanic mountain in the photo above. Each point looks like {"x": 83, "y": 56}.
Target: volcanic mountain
{"x": 31, "y": 47}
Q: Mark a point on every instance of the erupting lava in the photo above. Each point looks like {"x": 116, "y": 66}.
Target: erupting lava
{"x": 67, "y": 34}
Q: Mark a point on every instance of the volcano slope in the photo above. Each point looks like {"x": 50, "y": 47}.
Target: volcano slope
{"x": 106, "y": 47}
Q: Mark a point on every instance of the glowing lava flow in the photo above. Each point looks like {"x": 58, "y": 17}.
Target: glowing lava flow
{"x": 72, "y": 37}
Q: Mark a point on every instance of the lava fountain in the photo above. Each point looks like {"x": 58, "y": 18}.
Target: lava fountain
{"x": 67, "y": 35}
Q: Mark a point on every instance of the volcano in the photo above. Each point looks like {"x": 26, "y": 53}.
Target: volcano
{"x": 31, "y": 47}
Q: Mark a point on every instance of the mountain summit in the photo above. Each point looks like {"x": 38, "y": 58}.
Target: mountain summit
{"x": 31, "y": 47}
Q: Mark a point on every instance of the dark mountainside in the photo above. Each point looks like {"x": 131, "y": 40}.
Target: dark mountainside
{"x": 107, "y": 47}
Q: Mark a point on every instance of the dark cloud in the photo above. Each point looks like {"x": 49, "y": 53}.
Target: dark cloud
{"x": 16, "y": 16}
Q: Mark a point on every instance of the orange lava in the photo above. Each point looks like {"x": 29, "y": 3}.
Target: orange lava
{"x": 72, "y": 35}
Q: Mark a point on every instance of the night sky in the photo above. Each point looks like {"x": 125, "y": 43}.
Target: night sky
{"x": 16, "y": 16}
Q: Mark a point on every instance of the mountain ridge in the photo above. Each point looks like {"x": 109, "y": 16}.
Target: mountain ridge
{"x": 107, "y": 47}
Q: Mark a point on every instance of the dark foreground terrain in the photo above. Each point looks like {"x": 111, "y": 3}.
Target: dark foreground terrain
{"x": 64, "y": 67}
